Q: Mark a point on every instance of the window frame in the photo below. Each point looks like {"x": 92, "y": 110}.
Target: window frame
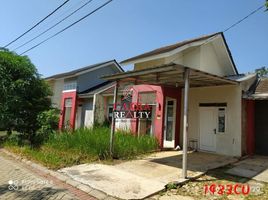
{"x": 225, "y": 120}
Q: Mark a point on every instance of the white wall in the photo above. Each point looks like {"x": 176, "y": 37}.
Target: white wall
{"x": 209, "y": 61}
{"x": 191, "y": 57}
{"x": 211, "y": 57}
{"x": 57, "y": 92}
{"x": 87, "y": 113}
{"x": 204, "y": 58}
{"x": 228, "y": 143}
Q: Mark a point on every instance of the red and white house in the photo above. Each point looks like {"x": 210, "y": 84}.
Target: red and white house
{"x": 222, "y": 112}
{"x": 74, "y": 93}
{"x": 218, "y": 115}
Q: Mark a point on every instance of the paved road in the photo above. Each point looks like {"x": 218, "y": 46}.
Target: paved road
{"x": 17, "y": 181}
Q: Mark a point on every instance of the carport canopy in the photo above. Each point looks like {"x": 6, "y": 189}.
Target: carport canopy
{"x": 169, "y": 75}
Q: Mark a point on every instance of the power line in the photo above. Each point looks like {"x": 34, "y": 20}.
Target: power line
{"x": 241, "y": 20}
{"x": 37, "y": 24}
{"x": 48, "y": 22}
{"x": 42, "y": 33}
{"x": 236, "y": 23}
{"x": 64, "y": 29}
{"x": 225, "y": 30}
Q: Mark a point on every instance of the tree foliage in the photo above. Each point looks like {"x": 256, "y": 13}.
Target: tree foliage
{"x": 262, "y": 72}
{"x": 23, "y": 94}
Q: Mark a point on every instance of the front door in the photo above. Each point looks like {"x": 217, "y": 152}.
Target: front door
{"x": 78, "y": 117}
{"x": 207, "y": 124}
{"x": 170, "y": 120}
{"x": 67, "y": 112}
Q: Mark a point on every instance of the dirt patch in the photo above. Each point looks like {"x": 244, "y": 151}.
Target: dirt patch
{"x": 216, "y": 184}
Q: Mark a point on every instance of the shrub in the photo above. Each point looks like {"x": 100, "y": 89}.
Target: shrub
{"x": 13, "y": 139}
{"x": 87, "y": 145}
{"x": 48, "y": 122}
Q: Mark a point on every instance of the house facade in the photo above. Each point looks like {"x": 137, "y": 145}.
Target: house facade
{"x": 75, "y": 93}
{"x": 256, "y": 101}
{"x": 216, "y": 108}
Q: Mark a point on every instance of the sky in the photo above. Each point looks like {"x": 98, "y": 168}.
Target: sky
{"x": 126, "y": 28}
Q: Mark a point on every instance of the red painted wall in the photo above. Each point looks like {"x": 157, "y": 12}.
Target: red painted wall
{"x": 161, "y": 93}
{"x": 250, "y": 126}
{"x": 158, "y": 112}
{"x": 176, "y": 94}
{"x": 73, "y": 96}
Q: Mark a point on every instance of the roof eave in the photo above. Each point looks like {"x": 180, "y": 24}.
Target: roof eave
{"x": 140, "y": 57}
{"x": 70, "y": 75}
{"x": 229, "y": 53}
{"x": 172, "y": 68}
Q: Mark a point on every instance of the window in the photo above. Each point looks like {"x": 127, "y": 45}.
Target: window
{"x": 68, "y": 102}
{"x": 147, "y": 98}
{"x": 67, "y": 112}
{"x": 110, "y": 113}
{"x": 221, "y": 120}
{"x": 70, "y": 86}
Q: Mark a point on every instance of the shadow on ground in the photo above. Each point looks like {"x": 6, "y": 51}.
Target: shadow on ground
{"x": 197, "y": 161}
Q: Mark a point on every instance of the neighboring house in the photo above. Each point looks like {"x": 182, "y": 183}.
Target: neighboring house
{"x": 258, "y": 117}
{"x": 76, "y": 92}
{"x": 103, "y": 104}
{"x": 218, "y": 118}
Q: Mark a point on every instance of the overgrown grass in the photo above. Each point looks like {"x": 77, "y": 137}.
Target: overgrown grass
{"x": 85, "y": 145}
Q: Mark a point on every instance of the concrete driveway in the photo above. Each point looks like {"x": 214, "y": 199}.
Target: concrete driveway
{"x": 255, "y": 167}
{"x": 141, "y": 178}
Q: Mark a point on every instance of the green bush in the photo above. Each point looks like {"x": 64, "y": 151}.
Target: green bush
{"x": 13, "y": 139}
{"x": 48, "y": 122}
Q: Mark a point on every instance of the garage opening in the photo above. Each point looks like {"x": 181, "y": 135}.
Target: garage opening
{"x": 261, "y": 127}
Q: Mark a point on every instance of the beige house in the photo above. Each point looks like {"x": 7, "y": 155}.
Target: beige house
{"x": 213, "y": 120}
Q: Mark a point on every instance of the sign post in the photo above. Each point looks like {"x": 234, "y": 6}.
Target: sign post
{"x": 113, "y": 120}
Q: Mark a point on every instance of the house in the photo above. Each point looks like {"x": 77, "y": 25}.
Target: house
{"x": 257, "y": 120}
{"x": 195, "y": 95}
{"x": 75, "y": 93}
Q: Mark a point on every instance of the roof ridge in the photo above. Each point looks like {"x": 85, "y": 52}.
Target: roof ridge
{"x": 72, "y": 72}
{"x": 169, "y": 47}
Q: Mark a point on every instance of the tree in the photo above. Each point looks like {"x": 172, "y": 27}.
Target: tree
{"x": 23, "y": 94}
{"x": 262, "y": 72}
{"x": 266, "y": 4}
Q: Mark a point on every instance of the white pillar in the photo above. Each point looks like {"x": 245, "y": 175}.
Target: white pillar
{"x": 94, "y": 109}
{"x": 113, "y": 120}
{"x": 185, "y": 123}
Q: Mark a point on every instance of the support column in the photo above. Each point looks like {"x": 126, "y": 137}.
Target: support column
{"x": 185, "y": 123}
{"x": 113, "y": 120}
{"x": 94, "y": 110}
{"x": 250, "y": 126}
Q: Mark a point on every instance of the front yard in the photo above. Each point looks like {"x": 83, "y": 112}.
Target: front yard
{"x": 92, "y": 145}
{"x": 216, "y": 184}
{"x": 83, "y": 146}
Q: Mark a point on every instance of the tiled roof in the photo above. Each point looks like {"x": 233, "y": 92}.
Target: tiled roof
{"x": 169, "y": 47}
{"x": 96, "y": 87}
{"x": 262, "y": 87}
{"x": 73, "y": 72}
